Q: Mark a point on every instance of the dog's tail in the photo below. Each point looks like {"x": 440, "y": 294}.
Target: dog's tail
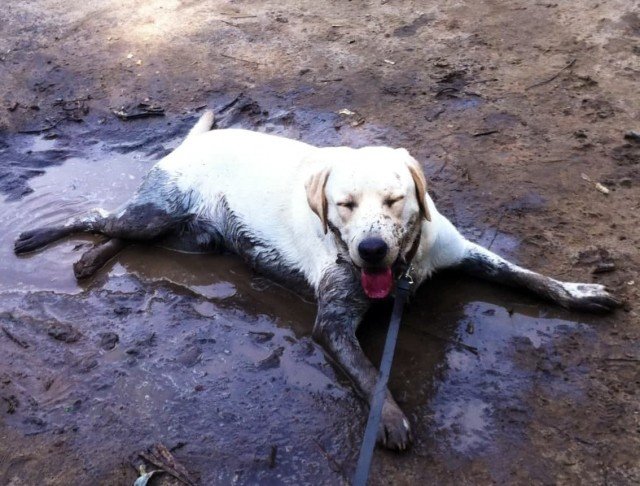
{"x": 203, "y": 125}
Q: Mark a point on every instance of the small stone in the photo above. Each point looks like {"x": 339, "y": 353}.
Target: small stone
{"x": 632, "y": 135}
{"x": 63, "y": 332}
{"x": 271, "y": 361}
{"x": 109, "y": 340}
{"x": 604, "y": 267}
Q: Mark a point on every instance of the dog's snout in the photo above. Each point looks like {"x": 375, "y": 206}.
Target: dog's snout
{"x": 372, "y": 250}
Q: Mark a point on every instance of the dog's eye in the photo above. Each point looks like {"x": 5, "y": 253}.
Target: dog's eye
{"x": 390, "y": 201}
{"x": 347, "y": 204}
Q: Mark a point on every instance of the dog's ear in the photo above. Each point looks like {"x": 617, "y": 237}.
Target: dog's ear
{"x": 316, "y": 196}
{"x": 420, "y": 182}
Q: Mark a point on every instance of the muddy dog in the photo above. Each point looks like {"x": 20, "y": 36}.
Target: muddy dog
{"x": 341, "y": 221}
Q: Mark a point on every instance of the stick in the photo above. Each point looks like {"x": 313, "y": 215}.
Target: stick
{"x": 15, "y": 339}
{"x": 571, "y": 63}
{"x": 484, "y": 134}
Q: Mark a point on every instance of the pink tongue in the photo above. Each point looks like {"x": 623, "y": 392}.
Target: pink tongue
{"x": 377, "y": 283}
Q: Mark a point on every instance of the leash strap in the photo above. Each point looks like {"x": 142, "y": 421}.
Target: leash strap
{"x": 403, "y": 287}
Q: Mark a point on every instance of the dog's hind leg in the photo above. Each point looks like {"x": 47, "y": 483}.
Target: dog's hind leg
{"x": 94, "y": 259}
{"x": 37, "y": 238}
{"x": 154, "y": 210}
{"x": 480, "y": 262}
{"x": 135, "y": 221}
{"x": 34, "y": 239}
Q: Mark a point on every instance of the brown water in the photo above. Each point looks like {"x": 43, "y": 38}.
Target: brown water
{"x": 98, "y": 179}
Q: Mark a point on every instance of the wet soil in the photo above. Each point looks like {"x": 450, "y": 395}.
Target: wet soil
{"x": 516, "y": 110}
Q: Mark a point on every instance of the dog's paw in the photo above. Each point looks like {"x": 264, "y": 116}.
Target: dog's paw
{"x": 394, "y": 431}
{"x": 28, "y": 241}
{"x": 34, "y": 239}
{"x": 589, "y": 297}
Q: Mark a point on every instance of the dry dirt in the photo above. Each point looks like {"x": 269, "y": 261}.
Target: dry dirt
{"x": 515, "y": 109}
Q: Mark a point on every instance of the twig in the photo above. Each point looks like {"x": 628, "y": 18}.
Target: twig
{"x": 160, "y": 457}
{"x": 495, "y": 235}
{"x": 229, "y": 23}
{"x": 230, "y": 104}
{"x": 63, "y": 101}
{"x": 240, "y": 59}
{"x": 444, "y": 164}
{"x": 329, "y": 80}
{"x": 483, "y": 81}
{"x": 241, "y": 16}
{"x": 446, "y": 90}
{"x": 272, "y": 456}
{"x": 15, "y": 339}
{"x": 436, "y": 115}
{"x": 484, "y": 134}
{"x": 36, "y": 131}
{"x": 571, "y": 63}
{"x": 338, "y": 467}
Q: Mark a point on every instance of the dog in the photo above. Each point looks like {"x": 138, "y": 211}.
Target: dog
{"x": 343, "y": 222}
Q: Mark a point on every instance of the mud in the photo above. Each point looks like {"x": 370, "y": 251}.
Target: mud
{"x": 515, "y": 111}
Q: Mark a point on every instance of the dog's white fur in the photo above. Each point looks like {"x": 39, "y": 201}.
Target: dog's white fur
{"x": 263, "y": 177}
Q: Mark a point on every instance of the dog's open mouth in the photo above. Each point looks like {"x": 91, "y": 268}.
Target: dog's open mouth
{"x": 376, "y": 282}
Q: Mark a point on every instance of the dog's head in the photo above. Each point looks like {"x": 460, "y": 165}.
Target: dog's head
{"x": 373, "y": 200}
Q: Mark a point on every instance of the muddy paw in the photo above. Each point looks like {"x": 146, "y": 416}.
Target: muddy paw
{"x": 590, "y": 297}
{"x": 34, "y": 239}
{"x": 26, "y": 242}
{"x": 394, "y": 431}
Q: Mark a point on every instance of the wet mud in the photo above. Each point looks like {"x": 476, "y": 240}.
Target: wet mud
{"x": 199, "y": 353}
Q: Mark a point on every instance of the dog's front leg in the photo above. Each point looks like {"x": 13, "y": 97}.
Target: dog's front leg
{"x": 480, "y": 262}
{"x": 341, "y": 306}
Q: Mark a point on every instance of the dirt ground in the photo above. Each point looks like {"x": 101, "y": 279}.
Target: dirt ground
{"x": 516, "y": 111}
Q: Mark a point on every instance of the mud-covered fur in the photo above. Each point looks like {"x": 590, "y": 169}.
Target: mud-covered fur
{"x": 299, "y": 214}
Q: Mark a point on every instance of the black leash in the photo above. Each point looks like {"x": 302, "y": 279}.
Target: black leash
{"x": 403, "y": 288}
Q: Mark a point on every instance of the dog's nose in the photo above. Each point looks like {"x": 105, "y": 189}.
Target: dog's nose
{"x": 372, "y": 250}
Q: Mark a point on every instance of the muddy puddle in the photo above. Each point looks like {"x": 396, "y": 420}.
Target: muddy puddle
{"x": 216, "y": 362}
{"x": 97, "y": 179}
